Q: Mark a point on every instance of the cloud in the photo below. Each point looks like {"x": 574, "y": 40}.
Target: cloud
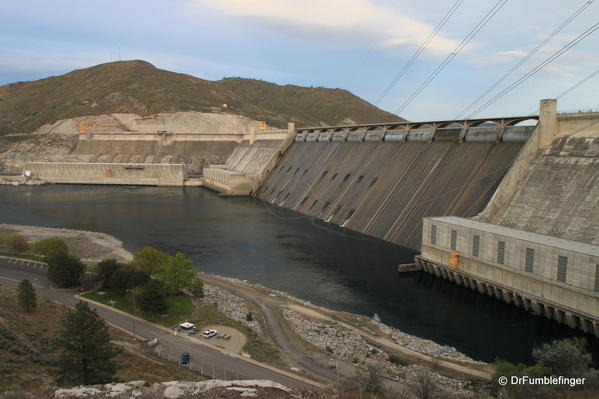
{"x": 359, "y": 21}
{"x": 512, "y": 53}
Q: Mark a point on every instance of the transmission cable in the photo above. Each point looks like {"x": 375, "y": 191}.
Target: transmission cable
{"x": 526, "y": 57}
{"x": 536, "y": 69}
{"x": 416, "y": 54}
{"x": 583, "y": 81}
{"x": 454, "y": 53}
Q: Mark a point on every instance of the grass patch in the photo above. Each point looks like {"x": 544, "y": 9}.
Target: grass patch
{"x": 122, "y": 301}
{"x": 179, "y": 307}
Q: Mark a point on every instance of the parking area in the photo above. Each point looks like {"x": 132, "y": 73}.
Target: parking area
{"x": 228, "y": 338}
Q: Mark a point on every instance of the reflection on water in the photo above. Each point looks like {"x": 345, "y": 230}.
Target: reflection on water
{"x": 329, "y": 266}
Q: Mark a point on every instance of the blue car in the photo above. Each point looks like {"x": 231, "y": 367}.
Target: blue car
{"x": 185, "y": 358}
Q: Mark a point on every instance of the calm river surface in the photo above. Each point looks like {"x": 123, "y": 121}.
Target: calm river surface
{"x": 280, "y": 249}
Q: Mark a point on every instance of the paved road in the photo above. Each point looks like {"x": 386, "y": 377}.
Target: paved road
{"x": 201, "y": 356}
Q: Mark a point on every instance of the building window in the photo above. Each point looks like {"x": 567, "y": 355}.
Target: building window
{"x": 530, "y": 260}
{"x": 562, "y": 268}
{"x": 433, "y": 234}
{"x": 313, "y": 205}
{"x": 597, "y": 278}
{"x": 304, "y": 201}
{"x": 454, "y": 239}
{"x": 305, "y": 171}
{"x": 476, "y": 246}
{"x": 334, "y": 176}
{"x": 359, "y": 179}
{"x": 326, "y": 205}
{"x": 323, "y": 174}
{"x": 501, "y": 252}
{"x": 373, "y": 182}
{"x": 346, "y": 178}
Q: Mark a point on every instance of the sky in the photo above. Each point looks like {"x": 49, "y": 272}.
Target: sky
{"x": 357, "y": 45}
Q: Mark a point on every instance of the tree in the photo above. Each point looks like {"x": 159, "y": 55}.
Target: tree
{"x": 151, "y": 298}
{"x": 87, "y": 357}
{"x": 568, "y": 357}
{"x": 148, "y": 259}
{"x": 89, "y": 281}
{"x": 14, "y": 242}
{"x": 126, "y": 277}
{"x": 105, "y": 270}
{"x": 178, "y": 275}
{"x": 26, "y": 295}
{"x": 64, "y": 270}
{"x": 50, "y": 246}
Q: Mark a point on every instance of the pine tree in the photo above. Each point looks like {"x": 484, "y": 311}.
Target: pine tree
{"x": 87, "y": 356}
{"x": 26, "y": 295}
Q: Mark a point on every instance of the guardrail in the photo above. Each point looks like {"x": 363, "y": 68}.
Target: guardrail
{"x": 24, "y": 264}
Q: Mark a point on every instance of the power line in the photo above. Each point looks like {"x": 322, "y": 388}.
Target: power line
{"x": 526, "y": 57}
{"x": 422, "y": 47}
{"x": 536, "y": 69}
{"x": 583, "y": 81}
{"x": 454, "y": 53}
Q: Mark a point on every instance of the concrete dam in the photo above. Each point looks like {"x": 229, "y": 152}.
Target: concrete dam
{"x": 382, "y": 181}
{"x": 509, "y": 210}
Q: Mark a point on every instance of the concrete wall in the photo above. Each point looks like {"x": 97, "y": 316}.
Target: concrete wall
{"x": 195, "y": 150}
{"x": 584, "y": 125}
{"x": 385, "y": 188}
{"x": 108, "y": 173}
{"x": 558, "y": 193}
{"x": 578, "y": 295}
{"x": 249, "y": 164}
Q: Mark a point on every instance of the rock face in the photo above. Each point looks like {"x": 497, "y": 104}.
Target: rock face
{"x": 13, "y": 153}
{"x": 183, "y": 390}
{"x": 172, "y": 122}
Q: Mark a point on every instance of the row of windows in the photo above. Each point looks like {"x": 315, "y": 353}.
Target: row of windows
{"x": 529, "y": 260}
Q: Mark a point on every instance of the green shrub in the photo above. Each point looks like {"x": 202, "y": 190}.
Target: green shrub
{"x": 50, "y": 246}
{"x": 14, "y": 242}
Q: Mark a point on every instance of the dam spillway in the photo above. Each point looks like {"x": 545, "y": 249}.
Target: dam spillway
{"x": 385, "y": 188}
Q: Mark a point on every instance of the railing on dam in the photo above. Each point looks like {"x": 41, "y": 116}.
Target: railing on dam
{"x": 480, "y": 134}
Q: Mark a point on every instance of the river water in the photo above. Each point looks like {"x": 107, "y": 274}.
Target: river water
{"x": 251, "y": 240}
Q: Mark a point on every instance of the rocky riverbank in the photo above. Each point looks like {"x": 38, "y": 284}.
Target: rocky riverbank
{"x": 231, "y": 305}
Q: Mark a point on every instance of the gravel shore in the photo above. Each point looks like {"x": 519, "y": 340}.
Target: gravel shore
{"x": 90, "y": 246}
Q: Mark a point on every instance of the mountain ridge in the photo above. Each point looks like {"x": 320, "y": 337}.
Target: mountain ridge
{"x": 141, "y": 88}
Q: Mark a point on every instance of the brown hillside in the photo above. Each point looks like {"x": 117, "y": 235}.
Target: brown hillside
{"x": 138, "y": 87}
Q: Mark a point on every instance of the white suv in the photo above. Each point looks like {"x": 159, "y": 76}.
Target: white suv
{"x": 209, "y": 333}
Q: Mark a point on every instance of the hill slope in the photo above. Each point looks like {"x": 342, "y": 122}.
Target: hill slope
{"x": 138, "y": 87}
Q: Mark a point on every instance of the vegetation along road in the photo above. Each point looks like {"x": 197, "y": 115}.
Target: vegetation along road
{"x": 209, "y": 357}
